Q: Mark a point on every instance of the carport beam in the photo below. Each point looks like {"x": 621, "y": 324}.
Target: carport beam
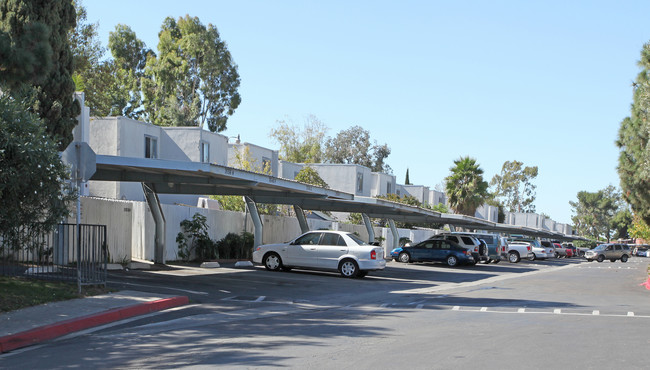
{"x": 258, "y": 227}
{"x": 302, "y": 220}
{"x": 371, "y": 231}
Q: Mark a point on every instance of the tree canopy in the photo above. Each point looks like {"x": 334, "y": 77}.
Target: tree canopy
{"x": 514, "y": 187}
{"x": 38, "y": 73}
{"x": 352, "y": 146}
{"x": 309, "y": 175}
{"x": 633, "y": 136}
{"x": 33, "y": 188}
{"x": 193, "y": 81}
{"x": 465, "y": 188}
{"x": 298, "y": 145}
{"x": 595, "y": 212}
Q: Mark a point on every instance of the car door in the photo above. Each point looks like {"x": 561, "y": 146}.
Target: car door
{"x": 330, "y": 248}
{"x": 303, "y": 252}
{"x": 441, "y": 250}
{"x": 420, "y": 251}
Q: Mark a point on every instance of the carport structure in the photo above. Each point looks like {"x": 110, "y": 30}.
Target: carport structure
{"x": 182, "y": 177}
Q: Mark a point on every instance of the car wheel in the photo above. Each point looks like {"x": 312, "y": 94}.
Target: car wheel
{"x": 452, "y": 261}
{"x": 534, "y": 257}
{"x": 513, "y": 257}
{"x": 624, "y": 258}
{"x": 600, "y": 258}
{"x": 272, "y": 261}
{"x": 404, "y": 257}
{"x": 348, "y": 268}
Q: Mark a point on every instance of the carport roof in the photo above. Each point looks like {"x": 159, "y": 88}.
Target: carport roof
{"x": 184, "y": 177}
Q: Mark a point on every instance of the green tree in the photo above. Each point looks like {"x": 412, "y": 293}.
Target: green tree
{"x": 87, "y": 50}
{"x": 193, "y": 81}
{"x": 621, "y": 224}
{"x": 595, "y": 211}
{"x": 309, "y": 175}
{"x": 300, "y": 146}
{"x": 33, "y": 188}
{"x": 352, "y": 146}
{"x": 50, "y": 90}
{"x": 466, "y": 190}
{"x": 514, "y": 186}
{"x": 639, "y": 229}
{"x": 407, "y": 181}
{"x": 633, "y": 137}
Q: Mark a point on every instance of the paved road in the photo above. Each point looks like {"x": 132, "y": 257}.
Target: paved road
{"x": 529, "y": 315}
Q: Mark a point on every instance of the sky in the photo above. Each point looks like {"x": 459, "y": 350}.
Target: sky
{"x": 546, "y": 83}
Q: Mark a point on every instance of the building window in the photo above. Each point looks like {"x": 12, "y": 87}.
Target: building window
{"x": 205, "y": 152}
{"x": 388, "y": 189}
{"x": 150, "y": 147}
{"x": 359, "y": 181}
{"x": 266, "y": 165}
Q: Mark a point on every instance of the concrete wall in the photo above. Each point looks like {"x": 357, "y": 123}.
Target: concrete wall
{"x": 343, "y": 177}
{"x": 289, "y": 170}
{"x": 257, "y": 155}
{"x": 421, "y": 193}
{"x": 487, "y": 212}
{"x": 437, "y": 197}
{"x": 189, "y": 140}
{"x": 382, "y": 184}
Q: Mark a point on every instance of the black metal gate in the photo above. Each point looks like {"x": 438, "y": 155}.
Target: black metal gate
{"x": 66, "y": 253}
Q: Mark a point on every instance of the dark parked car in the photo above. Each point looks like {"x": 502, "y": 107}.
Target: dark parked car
{"x": 437, "y": 250}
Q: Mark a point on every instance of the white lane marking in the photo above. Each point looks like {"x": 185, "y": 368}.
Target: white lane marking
{"x": 521, "y": 310}
{"x": 260, "y": 298}
{"x": 161, "y": 287}
{"x": 384, "y": 305}
{"x": 557, "y": 311}
{"x": 456, "y": 308}
{"x": 483, "y": 309}
{"x": 595, "y": 313}
{"x": 419, "y": 306}
{"x": 630, "y": 313}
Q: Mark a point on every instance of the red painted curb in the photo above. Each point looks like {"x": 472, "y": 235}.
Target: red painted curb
{"x": 47, "y": 332}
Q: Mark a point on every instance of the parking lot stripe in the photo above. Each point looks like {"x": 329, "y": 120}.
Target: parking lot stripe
{"x": 630, "y": 313}
{"x": 419, "y": 306}
{"x": 557, "y": 311}
{"x": 260, "y": 298}
{"x": 483, "y": 309}
{"x": 456, "y": 308}
{"x": 521, "y": 310}
{"x": 596, "y": 313}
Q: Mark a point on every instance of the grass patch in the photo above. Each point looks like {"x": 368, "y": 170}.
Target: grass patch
{"x": 17, "y": 293}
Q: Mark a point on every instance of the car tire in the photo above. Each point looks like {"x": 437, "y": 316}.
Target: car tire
{"x": 452, "y": 261}
{"x": 600, "y": 258}
{"x": 272, "y": 261}
{"x": 513, "y": 257}
{"x": 624, "y": 258}
{"x": 349, "y": 268}
{"x": 404, "y": 257}
{"x": 534, "y": 257}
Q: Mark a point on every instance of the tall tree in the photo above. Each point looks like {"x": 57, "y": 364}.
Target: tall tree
{"x": 193, "y": 81}
{"x": 633, "y": 137}
{"x": 466, "y": 190}
{"x": 352, "y": 146}
{"x": 407, "y": 181}
{"x": 298, "y": 145}
{"x": 87, "y": 50}
{"x": 595, "y": 211}
{"x": 309, "y": 175}
{"x": 514, "y": 187}
{"x": 52, "y": 93}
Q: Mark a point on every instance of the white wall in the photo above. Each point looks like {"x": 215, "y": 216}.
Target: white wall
{"x": 257, "y": 155}
{"x": 343, "y": 177}
{"x": 382, "y": 184}
{"x": 189, "y": 139}
{"x": 289, "y": 170}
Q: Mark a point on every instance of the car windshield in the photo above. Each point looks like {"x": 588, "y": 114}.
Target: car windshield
{"x": 356, "y": 239}
{"x": 601, "y": 247}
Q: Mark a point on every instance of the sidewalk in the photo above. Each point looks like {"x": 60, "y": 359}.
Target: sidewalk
{"x": 37, "y": 324}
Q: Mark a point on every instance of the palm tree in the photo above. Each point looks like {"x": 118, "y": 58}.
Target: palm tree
{"x": 465, "y": 188}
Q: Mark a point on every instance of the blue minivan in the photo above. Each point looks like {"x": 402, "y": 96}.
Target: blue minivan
{"x": 434, "y": 250}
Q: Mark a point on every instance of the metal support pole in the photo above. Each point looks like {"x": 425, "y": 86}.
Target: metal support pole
{"x": 258, "y": 227}
{"x": 302, "y": 220}
{"x": 371, "y": 231}
{"x": 159, "y": 220}
{"x": 452, "y": 228}
{"x": 393, "y": 231}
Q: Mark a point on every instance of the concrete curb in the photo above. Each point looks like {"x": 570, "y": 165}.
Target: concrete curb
{"x": 47, "y": 332}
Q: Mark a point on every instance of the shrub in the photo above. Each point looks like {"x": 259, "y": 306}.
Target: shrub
{"x": 194, "y": 239}
{"x": 235, "y": 246}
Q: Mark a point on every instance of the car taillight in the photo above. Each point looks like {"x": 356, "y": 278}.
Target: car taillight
{"x": 475, "y": 249}
{"x": 528, "y": 248}
{"x": 373, "y": 255}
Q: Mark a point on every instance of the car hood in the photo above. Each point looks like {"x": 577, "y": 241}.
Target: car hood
{"x": 396, "y": 250}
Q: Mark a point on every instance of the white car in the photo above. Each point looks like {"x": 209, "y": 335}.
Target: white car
{"x": 323, "y": 250}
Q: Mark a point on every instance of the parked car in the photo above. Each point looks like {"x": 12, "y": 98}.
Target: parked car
{"x": 466, "y": 241}
{"x": 572, "y": 248}
{"x": 503, "y": 247}
{"x": 438, "y": 250}
{"x": 539, "y": 251}
{"x": 556, "y": 253}
{"x": 492, "y": 242}
{"x": 640, "y": 250}
{"x": 561, "y": 251}
{"x": 323, "y": 250}
{"x": 518, "y": 250}
{"x": 569, "y": 252}
{"x": 610, "y": 252}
